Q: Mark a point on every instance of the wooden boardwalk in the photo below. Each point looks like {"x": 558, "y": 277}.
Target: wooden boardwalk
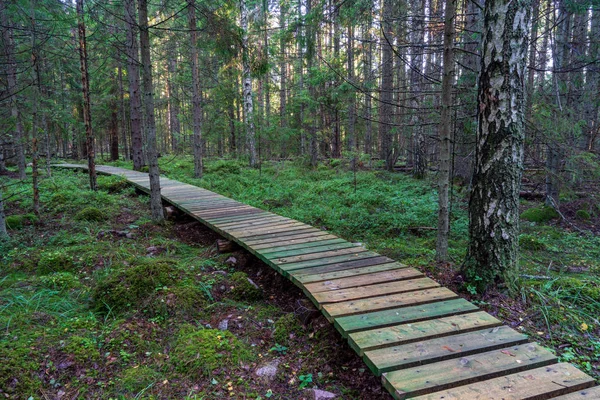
{"x": 422, "y": 339}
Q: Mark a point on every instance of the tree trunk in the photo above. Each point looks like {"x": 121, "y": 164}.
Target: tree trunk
{"x": 386, "y": 88}
{"x": 174, "y": 124}
{"x": 445, "y": 144}
{"x": 133, "y": 75}
{"x": 196, "y": 97}
{"x": 11, "y": 80}
{"x": 367, "y": 79}
{"x": 416, "y": 88}
{"x": 494, "y": 202}
{"x": 3, "y": 231}
{"x": 351, "y": 102}
{"x": 155, "y": 198}
{"x": 310, "y": 56}
{"x": 85, "y": 87}
{"x": 247, "y": 85}
{"x": 282, "y": 70}
{"x": 123, "y": 114}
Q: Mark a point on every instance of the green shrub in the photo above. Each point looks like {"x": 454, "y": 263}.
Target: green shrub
{"x": 54, "y": 261}
{"x": 284, "y": 327}
{"x": 583, "y": 215}
{"x": 243, "y": 289}
{"x": 529, "y": 242}
{"x": 60, "y": 281}
{"x": 539, "y": 214}
{"x": 132, "y": 286}
{"x": 202, "y": 351}
{"x": 90, "y": 214}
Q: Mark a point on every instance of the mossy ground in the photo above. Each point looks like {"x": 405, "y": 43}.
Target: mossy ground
{"x": 88, "y": 313}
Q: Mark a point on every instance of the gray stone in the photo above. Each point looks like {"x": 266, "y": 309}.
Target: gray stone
{"x": 223, "y": 325}
{"x": 268, "y": 371}
{"x": 318, "y": 394}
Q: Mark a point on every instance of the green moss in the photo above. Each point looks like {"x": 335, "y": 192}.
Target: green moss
{"x": 583, "y": 215}
{"x": 285, "y": 327}
{"x": 182, "y": 300}
{"x": 203, "y": 351}
{"x": 60, "y": 281}
{"x": 243, "y": 289}
{"x": 136, "y": 379}
{"x": 90, "y": 214}
{"x": 83, "y": 349}
{"x": 16, "y": 222}
{"x": 224, "y": 167}
{"x": 112, "y": 184}
{"x": 529, "y": 242}
{"x": 54, "y": 261}
{"x": 18, "y": 368}
{"x": 133, "y": 286}
{"x": 539, "y": 214}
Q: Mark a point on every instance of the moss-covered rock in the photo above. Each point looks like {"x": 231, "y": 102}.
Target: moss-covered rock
{"x": 539, "y": 214}
{"x": 133, "y": 286}
{"x": 55, "y": 261}
{"x": 90, "y": 214}
{"x": 16, "y": 222}
{"x": 583, "y": 215}
{"x": 201, "y": 351}
{"x": 136, "y": 379}
{"x": 243, "y": 289}
{"x": 529, "y": 242}
{"x": 60, "y": 281}
{"x": 286, "y": 327}
{"x": 112, "y": 184}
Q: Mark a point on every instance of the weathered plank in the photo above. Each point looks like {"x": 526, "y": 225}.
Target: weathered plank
{"x": 285, "y": 237}
{"x": 385, "y": 318}
{"x": 576, "y": 376}
{"x": 361, "y": 279}
{"x": 534, "y": 384}
{"x": 339, "y": 269}
{"x": 425, "y": 329}
{"x": 385, "y": 302}
{"x": 298, "y": 243}
{"x": 326, "y": 261}
{"x": 338, "y": 244}
{"x": 439, "y": 349}
{"x": 464, "y": 370}
{"x": 375, "y": 290}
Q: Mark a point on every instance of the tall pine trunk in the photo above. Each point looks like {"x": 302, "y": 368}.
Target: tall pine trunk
{"x": 247, "y": 85}
{"x": 133, "y": 74}
{"x": 196, "y": 98}
{"x": 85, "y": 87}
{"x": 155, "y": 198}
{"x": 494, "y": 202}
{"x": 386, "y": 87}
{"x": 445, "y": 129}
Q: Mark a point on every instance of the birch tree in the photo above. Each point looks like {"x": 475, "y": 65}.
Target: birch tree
{"x": 494, "y": 200}
{"x": 247, "y": 85}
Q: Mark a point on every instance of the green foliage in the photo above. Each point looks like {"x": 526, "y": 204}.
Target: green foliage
{"x": 201, "y": 351}
{"x": 18, "y": 368}
{"x": 132, "y": 286}
{"x": 90, "y": 214}
{"x": 583, "y": 215}
{"x": 243, "y": 289}
{"x": 305, "y": 380}
{"x": 286, "y": 326}
{"x": 224, "y": 167}
{"x": 83, "y": 349}
{"x": 539, "y": 214}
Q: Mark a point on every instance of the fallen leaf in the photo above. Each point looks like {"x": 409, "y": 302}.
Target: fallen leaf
{"x": 449, "y": 349}
{"x": 584, "y": 326}
{"x": 508, "y": 353}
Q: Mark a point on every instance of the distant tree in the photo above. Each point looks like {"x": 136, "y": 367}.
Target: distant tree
{"x": 196, "y": 96}
{"x": 155, "y": 198}
{"x": 247, "y": 86}
{"x": 494, "y": 199}
{"x": 3, "y": 231}
{"x": 85, "y": 87}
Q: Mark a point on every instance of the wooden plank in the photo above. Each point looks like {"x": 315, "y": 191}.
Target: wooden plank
{"x": 385, "y": 318}
{"x": 363, "y": 280}
{"x": 270, "y": 228}
{"x": 299, "y": 244}
{"x": 229, "y": 213}
{"x": 434, "y": 350}
{"x": 285, "y": 238}
{"x": 331, "y": 258}
{"x": 376, "y": 290}
{"x": 222, "y": 210}
{"x": 338, "y": 244}
{"x": 335, "y": 270}
{"x": 534, "y": 384}
{"x": 274, "y": 235}
{"x": 591, "y": 393}
{"x": 447, "y": 374}
{"x": 254, "y": 222}
{"x": 428, "y": 329}
{"x": 385, "y": 302}
{"x": 219, "y": 219}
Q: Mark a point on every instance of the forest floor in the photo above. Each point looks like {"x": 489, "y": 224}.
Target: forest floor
{"x": 96, "y": 301}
